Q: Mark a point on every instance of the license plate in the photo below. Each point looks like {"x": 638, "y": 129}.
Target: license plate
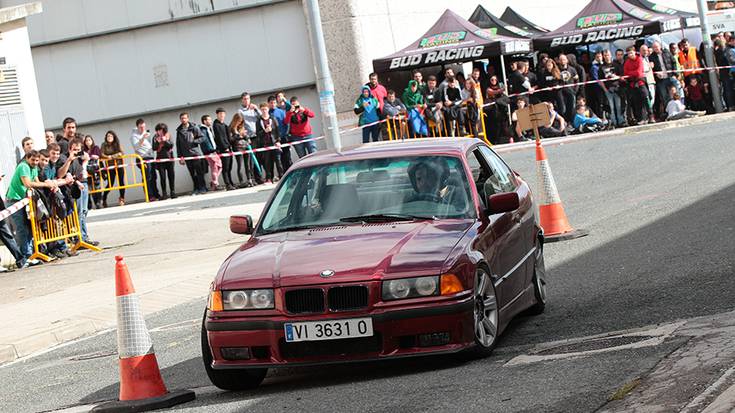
{"x": 329, "y": 330}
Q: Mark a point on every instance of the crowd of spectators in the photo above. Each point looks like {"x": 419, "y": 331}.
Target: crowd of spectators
{"x": 639, "y": 85}
{"x": 72, "y": 164}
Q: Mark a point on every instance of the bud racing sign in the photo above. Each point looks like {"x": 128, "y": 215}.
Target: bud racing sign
{"x": 598, "y": 36}
{"x": 437, "y": 57}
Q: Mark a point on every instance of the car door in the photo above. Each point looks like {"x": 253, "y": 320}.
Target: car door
{"x": 524, "y": 233}
{"x": 496, "y": 234}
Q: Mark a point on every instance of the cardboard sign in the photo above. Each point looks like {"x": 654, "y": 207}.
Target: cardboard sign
{"x": 534, "y": 116}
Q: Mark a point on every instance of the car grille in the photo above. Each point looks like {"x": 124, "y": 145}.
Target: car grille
{"x": 310, "y": 300}
{"x": 340, "y": 347}
{"x": 347, "y": 298}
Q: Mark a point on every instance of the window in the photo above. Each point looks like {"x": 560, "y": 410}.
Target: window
{"x": 502, "y": 176}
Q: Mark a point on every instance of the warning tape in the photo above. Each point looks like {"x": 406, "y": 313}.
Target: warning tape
{"x": 13, "y": 208}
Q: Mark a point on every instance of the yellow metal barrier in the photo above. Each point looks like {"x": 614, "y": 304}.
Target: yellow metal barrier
{"x": 125, "y": 166}
{"x": 54, "y": 229}
{"x": 398, "y": 127}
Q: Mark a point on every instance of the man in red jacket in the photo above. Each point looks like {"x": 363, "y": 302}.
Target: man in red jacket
{"x": 635, "y": 78}
{"x": 298, "y": 120}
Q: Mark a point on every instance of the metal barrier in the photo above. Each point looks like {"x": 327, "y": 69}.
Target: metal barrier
{"x": 398, "y": 127}
{"x": 124, "y": 168}
{"x": 54, "y": 229}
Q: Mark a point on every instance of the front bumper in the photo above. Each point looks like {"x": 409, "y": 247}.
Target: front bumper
{"x": 398, "y": 332}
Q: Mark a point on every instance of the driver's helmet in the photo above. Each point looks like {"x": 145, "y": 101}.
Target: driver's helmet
{"x": 436, "y": 167}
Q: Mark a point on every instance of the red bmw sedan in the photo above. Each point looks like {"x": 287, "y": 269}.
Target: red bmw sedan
{"x": 385, "y": 250}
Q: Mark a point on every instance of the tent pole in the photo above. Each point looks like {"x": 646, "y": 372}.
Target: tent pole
{"x": 505, "y": 85}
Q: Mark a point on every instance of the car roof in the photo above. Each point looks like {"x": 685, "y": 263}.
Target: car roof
{"x": 396, "y": 148}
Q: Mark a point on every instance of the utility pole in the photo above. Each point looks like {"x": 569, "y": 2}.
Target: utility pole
{"x": 324, "y": 83}
{"x": 709, "y": 57}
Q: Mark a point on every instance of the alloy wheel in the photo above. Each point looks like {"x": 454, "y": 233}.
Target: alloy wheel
{"x": 486, "y": 310}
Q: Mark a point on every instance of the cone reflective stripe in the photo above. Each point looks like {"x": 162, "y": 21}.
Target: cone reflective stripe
{"x": 552, "y": 217}
{"x": 141, "y": 384}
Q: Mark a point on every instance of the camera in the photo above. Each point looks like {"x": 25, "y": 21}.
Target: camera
{"x": 78, "y": 154}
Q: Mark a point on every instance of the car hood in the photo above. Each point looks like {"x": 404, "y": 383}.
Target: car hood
{"x": 352, "y": 252}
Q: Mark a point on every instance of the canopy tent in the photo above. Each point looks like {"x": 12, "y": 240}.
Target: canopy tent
{"x": 451, "y": 39}
{"x": 486, "y": 20}
{"x": 512, "y": 17}
{"x": 690, "y": 19}
{"x": 607, "y": 21}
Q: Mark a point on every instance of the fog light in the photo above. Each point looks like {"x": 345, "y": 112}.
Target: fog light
{"x": 433, "y": 339}
{"x": 235, "y": 353}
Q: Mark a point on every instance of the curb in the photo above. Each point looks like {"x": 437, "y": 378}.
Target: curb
{"x": 66, "y": 331}
{"x": 631, "y": 130}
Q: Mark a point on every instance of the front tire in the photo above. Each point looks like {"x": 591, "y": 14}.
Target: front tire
{"x": 539, "y": 284}
{"x": 232, "y": 380}
{"x": 485, "y": 319}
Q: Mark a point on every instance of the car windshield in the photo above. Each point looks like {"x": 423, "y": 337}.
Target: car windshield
{"x": 371, "y": 190}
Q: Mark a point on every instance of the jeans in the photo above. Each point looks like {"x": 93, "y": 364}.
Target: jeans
{"x": 82, "y": 209}
{"x": 371, "y": 131}
{"x": 23, "y": 234}
{"x": 728, "y": 92}
{"x": 196, "y": 171}
{"x": 616, "y": 110}
{"x": 303, "y": 149}
{"x": 6, "y": 235}
{"x": 150, "y": 178}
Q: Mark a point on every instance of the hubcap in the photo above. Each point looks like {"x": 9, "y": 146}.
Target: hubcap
{"x": 486, "y": 310}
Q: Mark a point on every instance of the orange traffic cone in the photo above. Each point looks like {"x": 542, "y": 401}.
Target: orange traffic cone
{"x": 551, "y": 211}
{"x": 141, "y": 384}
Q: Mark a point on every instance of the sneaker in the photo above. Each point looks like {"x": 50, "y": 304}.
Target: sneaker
{"x": 25, "y": 265}
{"x": 33, "y": 263}
{"x": 93, "y": 243}
{"x": 701, "y": 112}
{"x": 231, "y": 187}
{"x": 59, "y": 254}
{"x": 174, "y": 196}
{"x": 70, "y": 252}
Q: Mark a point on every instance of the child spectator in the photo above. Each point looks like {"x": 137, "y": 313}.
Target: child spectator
{"x": 676, "y": 110}
{"x": 366, "y": 107}
{"x": 695, "y": 95}
{"x": 584, "y": 124}
{"x": 521, "y": 103}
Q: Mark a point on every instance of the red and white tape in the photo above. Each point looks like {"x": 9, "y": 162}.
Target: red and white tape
{"x": 13, "y": 208}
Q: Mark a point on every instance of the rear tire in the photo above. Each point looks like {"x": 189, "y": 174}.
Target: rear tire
{"x": 539, "y": 284}
{"x": 233, "y": 380}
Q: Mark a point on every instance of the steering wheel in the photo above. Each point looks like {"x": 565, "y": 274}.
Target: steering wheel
{"x": 428, "y": 197}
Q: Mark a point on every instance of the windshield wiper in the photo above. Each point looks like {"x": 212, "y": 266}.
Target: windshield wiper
{"x": 299, "y": 228}
{"x": 386, "y": 218}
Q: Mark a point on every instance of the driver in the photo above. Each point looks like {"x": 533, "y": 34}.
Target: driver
{"x": 429, "y": 181}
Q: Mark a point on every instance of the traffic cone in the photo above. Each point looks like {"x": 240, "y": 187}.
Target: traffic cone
{"x": 551, "y": 211}
{"x": 141, "y": 384}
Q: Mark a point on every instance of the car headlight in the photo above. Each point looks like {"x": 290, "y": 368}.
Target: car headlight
{"x": 410, "y": 288}
{"x": 248, "y": 299}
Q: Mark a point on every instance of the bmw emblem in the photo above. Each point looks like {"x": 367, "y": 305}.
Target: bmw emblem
{"x": 326, "y": 273}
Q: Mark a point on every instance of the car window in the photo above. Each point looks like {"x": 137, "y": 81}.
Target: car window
{"x": 480, "y": 175}
{"x": 422, "y": 186}
{"x": 502, "y": 176}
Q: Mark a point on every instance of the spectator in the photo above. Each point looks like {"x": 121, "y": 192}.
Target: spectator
{"x": 75, "y": 163}
{"x": 209, "y": 148}
{"x": 224, "y": 149}
{"x": 93, "y": 169}
{"x": 695, "y": 95}
{"x": 720, "y": 52}
{"x": 298, "y": 120}
{"x": 164, "y": 148}
{"x": 532, "y": 81}
{"x": 240, "y": 143}
{"x": 729, "y": 82}
{"x": 280, "y": 116}
{"x": 366, "y": 107}
{"x": 569, "y": 76}
{"x": 69, "y": 132}
{"x": 283, "y": 103}
{"x": 25, "y": 178}
{"x": 676, "y": 110}
{"x": 496, "y": 111}
{"x": 47, "y": 172}
{"x": 637, "y": 90}
{"x": 469, "y": 108}
{"x": 419, "y": 78}
{"x": 433, "y": 98}
{"x": 188, "y": 144}
{"x": 413, "y": 101}
{"x": 650, "y": 82}
{"x": 448, "y": 75}
{"x": 142, "y": 142}
{"x": 250, "y": 115}
{"x": 6, "y": 236}
{"x": 111, "y": 154}
{"x": 376, "y": 89}
{"x": 392, "y": 106}
{"x": 521, "y": 102}
{"x": 619, "y": 63}
{"x": 663, "y": 66}
{"x": 551, "y": 78}
{"x": 518, "y": 82}
{"x": 581, "y": 74}
{"x": 688, "y": 60}
{"x": 581, "y": 101}
{"x": 612, "y": 72}
{"x": 453, "y": 107}
{"x": 597, "y": 95}
{"x": 50, "y": 138}
{"x": 584, "y": 124}
{"x": 27, "y": 145}
{"x": 267, "y": 131}
{"x": 557, "y": 126}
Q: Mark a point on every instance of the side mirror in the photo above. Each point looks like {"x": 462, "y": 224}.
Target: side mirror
{"x": 241, "y": 224}
{"x": 504, "y": 202}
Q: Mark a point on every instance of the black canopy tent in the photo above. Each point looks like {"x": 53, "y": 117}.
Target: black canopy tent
{"x": 689, "y": 19}
{"x": 607, "y": 21}
{"x": 512, "y": 17}
{"x": 451, "y": 39}
{"x": 486, "y": 20}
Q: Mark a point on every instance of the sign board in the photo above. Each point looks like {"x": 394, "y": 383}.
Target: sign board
{"x": 721, "y": 21}
{"x": 533, "y": 117}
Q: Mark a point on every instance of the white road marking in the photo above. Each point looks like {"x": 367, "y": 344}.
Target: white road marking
{"x": 158, "y": 211}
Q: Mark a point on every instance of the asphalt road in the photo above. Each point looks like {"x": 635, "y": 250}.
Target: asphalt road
{"x": 658, "y": 206}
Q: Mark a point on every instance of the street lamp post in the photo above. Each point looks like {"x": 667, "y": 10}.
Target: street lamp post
{"x": 324, "y": 83}
{"x": 709, "y": 56}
